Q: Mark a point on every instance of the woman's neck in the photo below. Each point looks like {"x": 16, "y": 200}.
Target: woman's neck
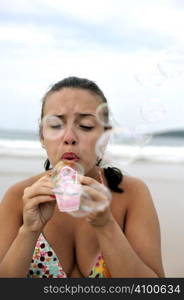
{"x": 96, "y": 174}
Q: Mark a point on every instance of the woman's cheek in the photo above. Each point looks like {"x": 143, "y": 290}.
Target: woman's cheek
{"x": 52, "y": 151}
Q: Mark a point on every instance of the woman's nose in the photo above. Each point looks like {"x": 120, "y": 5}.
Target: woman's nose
{"x": 69, "y": 137}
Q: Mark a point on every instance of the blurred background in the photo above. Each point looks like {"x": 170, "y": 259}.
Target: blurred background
{"x": 134, "y": 51}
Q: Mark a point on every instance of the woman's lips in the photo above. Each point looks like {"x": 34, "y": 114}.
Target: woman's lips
{"x": 70, "y": 156}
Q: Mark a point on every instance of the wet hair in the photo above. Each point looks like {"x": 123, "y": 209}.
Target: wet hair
{"x": 113, "y": 175}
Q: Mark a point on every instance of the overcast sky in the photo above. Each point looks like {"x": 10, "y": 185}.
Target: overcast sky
{"x": 134, "y": 50}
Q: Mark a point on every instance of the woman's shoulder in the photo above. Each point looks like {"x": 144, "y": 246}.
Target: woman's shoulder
{"x": 135, "y": 189}
{"x": 16, "y": 190}
{"x": 131, "y": 184}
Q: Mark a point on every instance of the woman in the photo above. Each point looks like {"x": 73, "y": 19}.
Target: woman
{"x": 38, "y": 240}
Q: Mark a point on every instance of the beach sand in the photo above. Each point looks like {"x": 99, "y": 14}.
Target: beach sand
{"x": 166, "y": 184}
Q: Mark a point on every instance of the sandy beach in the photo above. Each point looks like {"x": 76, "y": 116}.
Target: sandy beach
{"x": 165, "y": 181}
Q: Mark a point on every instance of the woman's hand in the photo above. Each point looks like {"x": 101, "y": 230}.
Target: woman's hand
{"x": 39, "y": 202}
{"x": 102, "y": 196}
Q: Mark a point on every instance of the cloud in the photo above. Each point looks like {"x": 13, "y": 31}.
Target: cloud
{"x": 69, "y": 24}
{"x": 28, "y": 34}
{"x": 107, "y": 41}
{"x": 19, "y": 6}
{"x": 121, "y": 17}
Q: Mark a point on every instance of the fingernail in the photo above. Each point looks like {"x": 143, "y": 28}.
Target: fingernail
{"x": 53, "y": 196}
{"x": 50, "y": 172}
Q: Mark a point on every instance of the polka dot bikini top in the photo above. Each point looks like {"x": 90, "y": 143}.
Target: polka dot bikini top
{"x": 45, "y": 263}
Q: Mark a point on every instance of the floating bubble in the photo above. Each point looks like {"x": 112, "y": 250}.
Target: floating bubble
{"x": 150, "y": 79}
{"x": 123, "y": 144}
{"x": 153, "y": 111}
{"x": 88, "y": 204}
{"x": 172, "y": 64}
{"x": 142, "y": 136}
{"x": 104, "y": 115}
{"x": 79, "y": 168}
{"x": 105, "y": 192}
{"x": 102, "y": 142}
{"x": 61, "y": 164}
{"x": 52, "y": 127}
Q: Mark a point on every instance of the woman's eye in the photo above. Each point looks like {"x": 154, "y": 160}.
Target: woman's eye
{"x": 87, "y": 128}
{"x": 56, "y": 126}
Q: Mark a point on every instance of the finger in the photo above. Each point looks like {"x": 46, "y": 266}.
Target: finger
{"x": 86, "y": 180}
{"x": 44, "y": 181}
{"x": 50, "y": 172}
{"x": 47, "y": 176}
{"x": 35, "y": 191}
{"x": 100, "y": 188}
{"x": 37, "y": 201}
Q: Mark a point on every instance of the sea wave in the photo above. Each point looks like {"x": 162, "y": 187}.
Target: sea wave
{"x": 125, "y": 153}
{"x": 18, "y": 148}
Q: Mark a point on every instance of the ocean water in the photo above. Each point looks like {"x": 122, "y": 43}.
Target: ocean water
{"x": 167, "y": 147}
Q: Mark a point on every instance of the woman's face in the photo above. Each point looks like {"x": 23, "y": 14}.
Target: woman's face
{"x": 77, "y": 130}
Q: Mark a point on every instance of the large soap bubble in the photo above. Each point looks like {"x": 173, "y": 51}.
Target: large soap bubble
{"x": 88, "y": 204}
{"x": 142, "y": 136}
{"x": 105, "y": 116}
{"x": 61, "y": 164}
{"x": 153, "y": 111}
{"x": 151, "y": 78}
{"x": 171, "y": 65}
{"x": 52, "y": 127}
{"x": 123, "y": 144}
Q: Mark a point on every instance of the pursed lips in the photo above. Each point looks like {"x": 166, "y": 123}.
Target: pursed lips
{"x": 70, "y": 156}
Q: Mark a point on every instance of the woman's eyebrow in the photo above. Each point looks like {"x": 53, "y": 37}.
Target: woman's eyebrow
{"x": 80, "y": 115}
{"x": 86, "y": 115}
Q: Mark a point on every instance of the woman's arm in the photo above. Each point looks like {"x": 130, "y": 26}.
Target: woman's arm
{"x": 13, "y": 239}
{"x": 17, "y": 260}
{"x": 23, "y": 214}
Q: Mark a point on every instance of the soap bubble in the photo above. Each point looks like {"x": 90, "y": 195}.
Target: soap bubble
{"x": 79, "y": 168}
{"x": 153, "y": 111}
{"x": 123, "y": 144}
{"x": 63, "y": 163}
{"x": 172, "y": 64}
{"x": 52, "y": 127}
{"x": 88, "y": 204}
{"x": 102, "y": 142}
{"x": 150, "y": 79}
{"x": 105, "y": 191}
{"x": 142, "y": 136}
{"x": 104, "y": 115}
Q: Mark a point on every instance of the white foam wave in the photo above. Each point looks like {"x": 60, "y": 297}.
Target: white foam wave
{"x": 22, "y": 148}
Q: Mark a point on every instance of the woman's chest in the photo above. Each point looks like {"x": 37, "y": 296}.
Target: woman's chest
{"x": 87, "y": 246}
{"x": 75, "y": 243}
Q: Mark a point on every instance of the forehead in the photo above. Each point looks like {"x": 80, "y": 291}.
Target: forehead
{"x": 71, "y": 100}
